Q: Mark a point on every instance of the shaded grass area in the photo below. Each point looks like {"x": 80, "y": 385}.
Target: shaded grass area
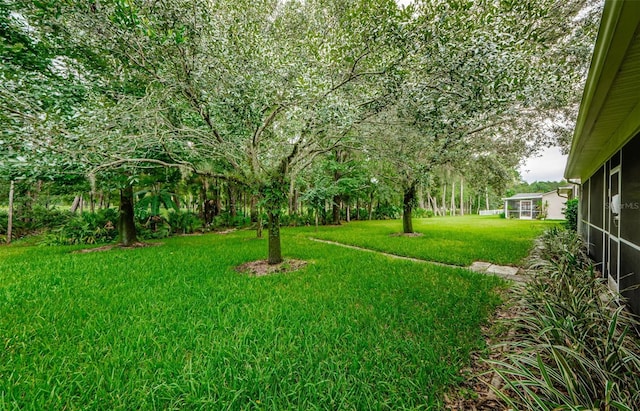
{"x": 450, "y": 240}
{"x": 175, "y": 327}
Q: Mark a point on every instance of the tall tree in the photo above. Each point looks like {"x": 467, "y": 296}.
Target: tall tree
{"x": 482, "y": 79}
{"x": 259, "y": 87}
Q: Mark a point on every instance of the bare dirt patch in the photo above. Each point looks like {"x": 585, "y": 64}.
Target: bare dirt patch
{"x": 112, "y": 246}
{"x": 406, "y": 235}
{"x": 262, "y": 267}
{"x": 228, "y": 231}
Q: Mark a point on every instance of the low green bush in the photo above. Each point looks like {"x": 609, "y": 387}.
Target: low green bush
{"x": 4, "y": 220}
{"x": 422, "y": 213}
{"x": 359, "y": 214}
{"x": 154, "y": 227}
{"x": 226, "y": 220}
{"x": 36, "y": 219}
{"x": 87, "y": 228}
{"x": 386, "y": 212}
{"x": 183, "y": 222}
{"x": 571, "y": 214}
{"x": 297, "y": 220}
{"x": 574, "y": 346}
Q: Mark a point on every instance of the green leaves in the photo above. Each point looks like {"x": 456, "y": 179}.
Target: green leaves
{"x": 574, "y": 347}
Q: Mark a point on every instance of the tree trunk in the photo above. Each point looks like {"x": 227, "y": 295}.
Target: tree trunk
{"x": 10, "y": 217}
{"x": 126, "y": 224}
{"x": 453, "y": 198}
{"x": 259, "y": 224}
{"x": 177, "y": 201}
{"x": 370, "y": 207}
{"x": 209, "y": 206}
{"x": 296, "y": 201}
{"x": 292, "y": 199}
{"x": 461, "y": 196}
{"x": 253, "y": 207}
{"x": 348, "y": 212}
{"x": 486, "y": 198}
{"x": 275, "y": 249}
{"x": 336, "y": 210}
{"x": 75, "y": 204}
{"x": 408, "y": 202}
{"x": 202, "y": 206}
{"x": 217, "y": 209}
{"x": 38, "y": 190}
{"x": 444, "y": 199}
{"x": 232, "y": 200}
{"x": 317, "y": 212}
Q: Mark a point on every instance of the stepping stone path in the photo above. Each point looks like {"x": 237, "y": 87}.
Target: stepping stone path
{"x": 503, "y": 271}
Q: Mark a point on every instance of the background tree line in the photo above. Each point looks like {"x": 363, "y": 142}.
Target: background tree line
{"x": 313, "y": 112}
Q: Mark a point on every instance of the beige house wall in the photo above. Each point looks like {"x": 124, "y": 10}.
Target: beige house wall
{"x": 554, "y": 205}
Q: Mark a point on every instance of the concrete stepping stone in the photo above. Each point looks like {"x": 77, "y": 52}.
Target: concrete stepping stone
{"x": 502, "y": 270}
{"x": 480, "y": 266}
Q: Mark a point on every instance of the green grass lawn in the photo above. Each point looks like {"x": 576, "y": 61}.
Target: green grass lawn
{"x": 450, "y": 240}
{"x": 175, "y": 327}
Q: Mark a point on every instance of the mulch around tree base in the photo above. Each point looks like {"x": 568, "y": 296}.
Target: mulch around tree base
{"x": 262, "y": 267}
{"x": 112, "y": 246}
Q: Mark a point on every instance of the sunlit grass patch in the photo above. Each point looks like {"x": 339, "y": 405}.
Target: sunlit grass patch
{"x": 177, "y": 327}
{"x": 451, "y": 240}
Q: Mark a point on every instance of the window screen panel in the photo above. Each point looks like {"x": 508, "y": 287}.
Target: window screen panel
{"x": 630, "y": 276}
{"x": 630, "y": 192}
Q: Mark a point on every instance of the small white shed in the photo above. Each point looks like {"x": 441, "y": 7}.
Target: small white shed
{"x": 528, "y": 206}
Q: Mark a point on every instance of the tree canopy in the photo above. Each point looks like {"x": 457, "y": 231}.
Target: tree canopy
{"x": 257, "y": 92}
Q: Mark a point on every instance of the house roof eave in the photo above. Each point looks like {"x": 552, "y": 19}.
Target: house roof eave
{"x": 616, "y": 37}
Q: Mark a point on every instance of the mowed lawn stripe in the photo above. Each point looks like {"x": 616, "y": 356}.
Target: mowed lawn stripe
{"x": 450, "y": 240}
{"x": 176, "y": 327}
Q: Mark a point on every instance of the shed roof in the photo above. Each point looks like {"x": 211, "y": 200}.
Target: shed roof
{"x": 610, "y": 109}
{"x": 524, "y": 196}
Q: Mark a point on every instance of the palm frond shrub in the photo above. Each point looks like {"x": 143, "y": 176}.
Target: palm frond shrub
{"x": 183, "y": 222}
{"x": 87, "y": 228}
{"x": 573, "y": 345}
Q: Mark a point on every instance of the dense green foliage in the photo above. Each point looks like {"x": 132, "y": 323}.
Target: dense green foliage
{"x": 87, "y": 228}
{"x": 434, "y": 102}
{"x": 35, "y": 219}
{"x": 571, "y": 214}
{"x": 175, "y": 327}
{"x": 535, "y": 187}
{"x": 573, "y": 347}
{"x": 451, "y": 240}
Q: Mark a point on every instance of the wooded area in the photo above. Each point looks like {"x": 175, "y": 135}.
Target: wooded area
{"x": 183, "y": 112}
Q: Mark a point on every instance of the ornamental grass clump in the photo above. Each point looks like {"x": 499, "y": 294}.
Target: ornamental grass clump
{"x": 573, "y": 346}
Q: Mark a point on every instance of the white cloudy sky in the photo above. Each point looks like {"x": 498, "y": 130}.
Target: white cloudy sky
{"x": 549, "y": 166}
